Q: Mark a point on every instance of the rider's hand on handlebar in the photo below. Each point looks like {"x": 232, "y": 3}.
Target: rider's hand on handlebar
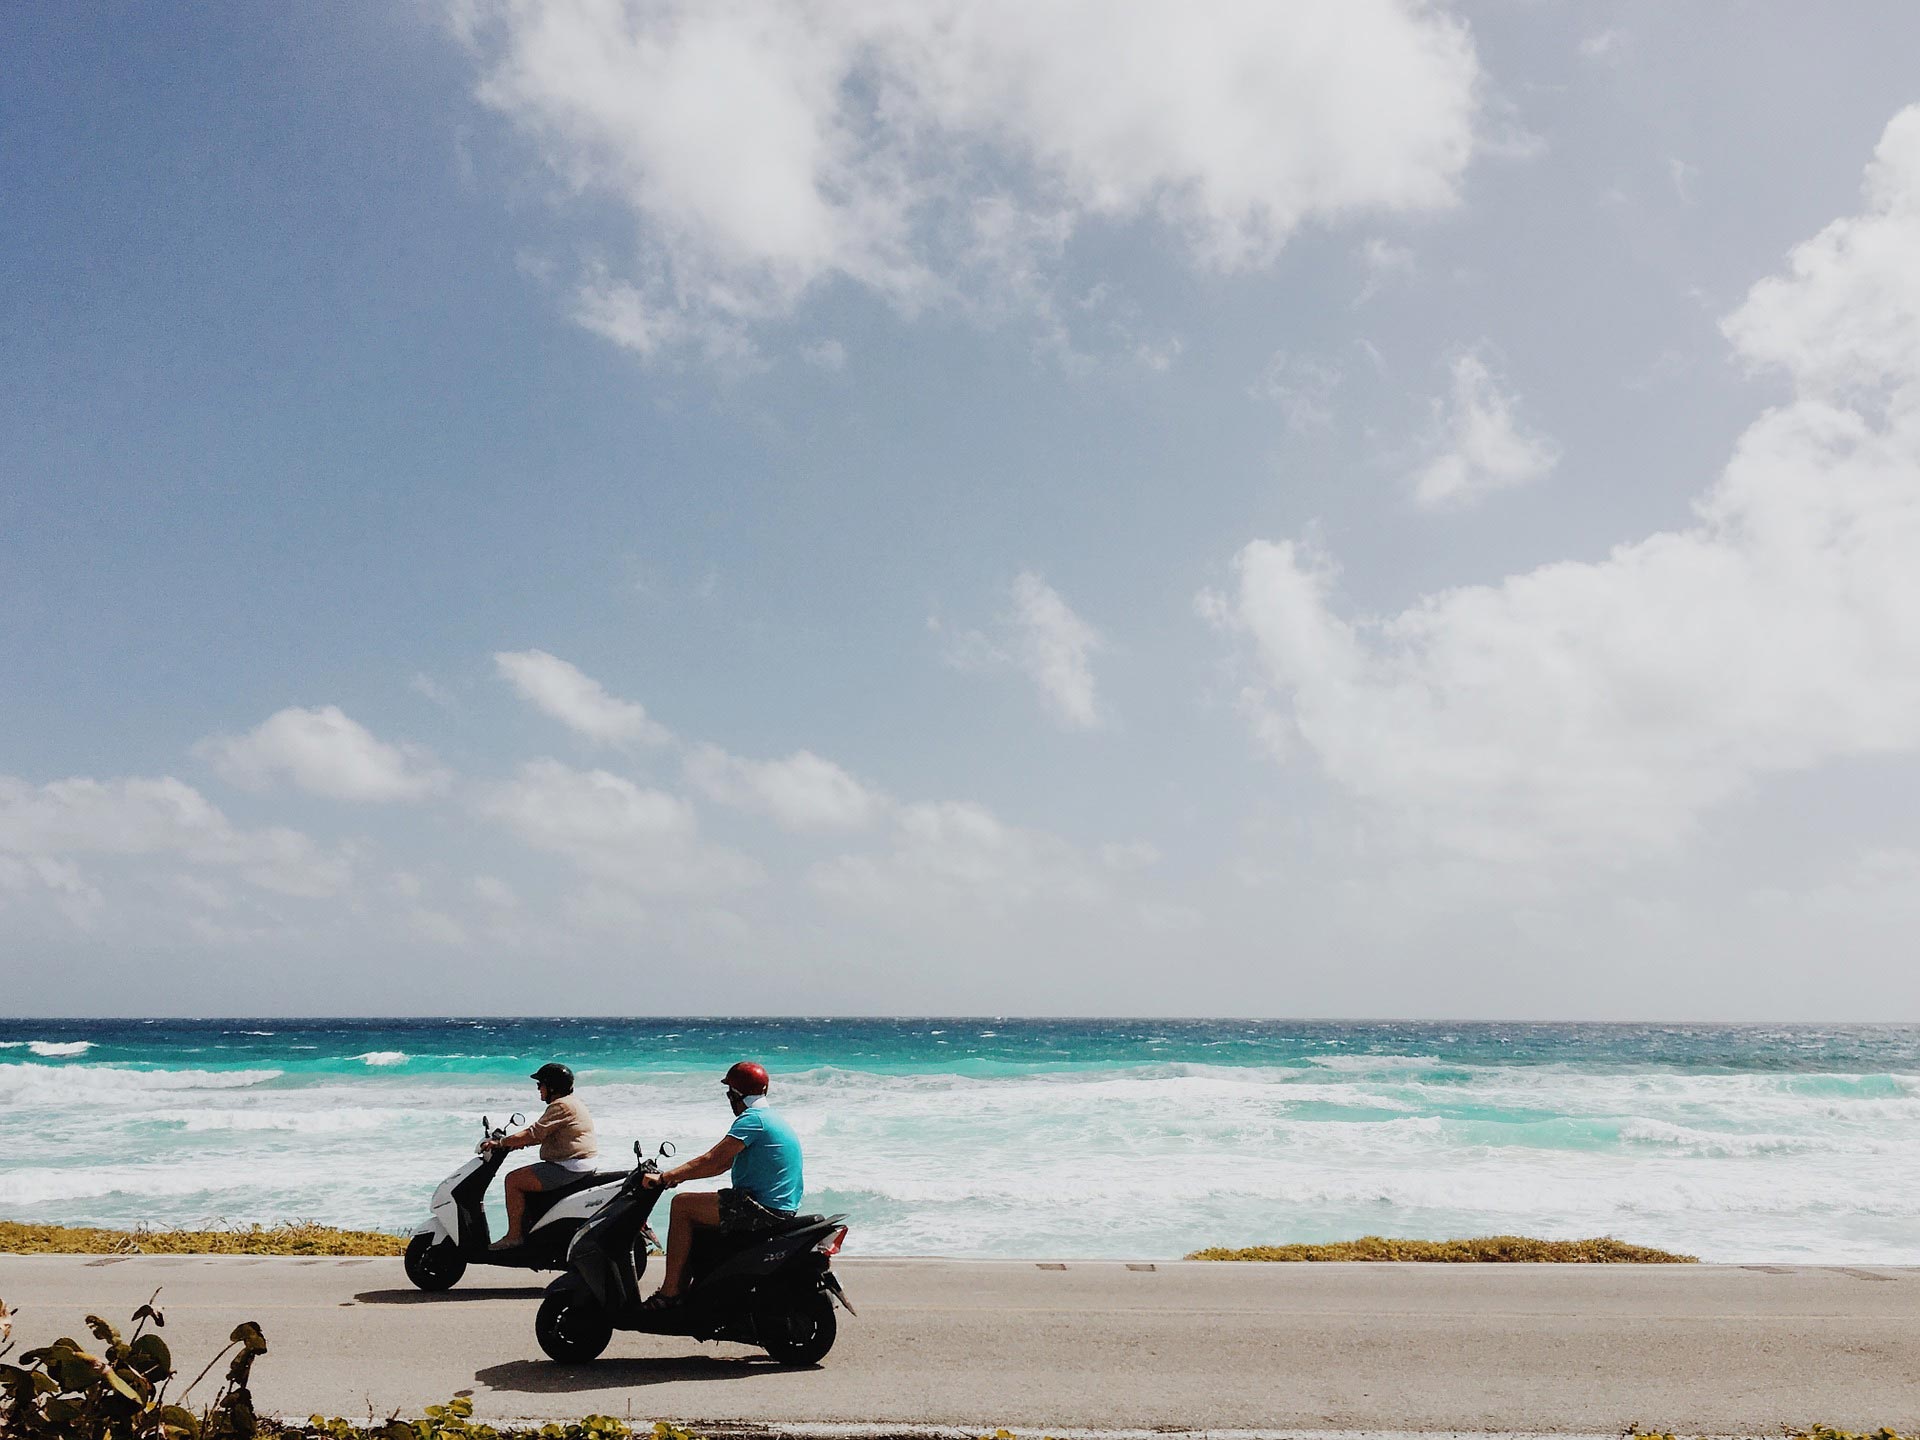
{"x": 653, "y": 1180}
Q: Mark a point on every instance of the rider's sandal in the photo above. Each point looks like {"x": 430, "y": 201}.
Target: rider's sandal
{"x": 657, "y": 1301}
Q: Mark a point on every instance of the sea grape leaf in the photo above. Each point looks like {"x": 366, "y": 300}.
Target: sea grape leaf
{"x": 60, "y": 1410}
{"x": 151, "y": 1357}
{"x": 128, "y": 1384}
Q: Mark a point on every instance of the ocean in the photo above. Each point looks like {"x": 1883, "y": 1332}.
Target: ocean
{"x": 1003, "y": 1137}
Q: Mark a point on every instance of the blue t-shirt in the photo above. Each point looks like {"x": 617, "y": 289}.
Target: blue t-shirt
{"x": 769, "y": 1168}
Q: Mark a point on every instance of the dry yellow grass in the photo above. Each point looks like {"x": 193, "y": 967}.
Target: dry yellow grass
{"x": 1486, "y": 1249}
{"x": 294, "y": 1238}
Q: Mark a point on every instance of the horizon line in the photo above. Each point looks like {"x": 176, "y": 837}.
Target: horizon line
{"x": 956, "y": 1016}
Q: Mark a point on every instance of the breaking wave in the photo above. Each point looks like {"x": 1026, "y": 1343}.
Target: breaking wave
{"x": 27, "y": 1081}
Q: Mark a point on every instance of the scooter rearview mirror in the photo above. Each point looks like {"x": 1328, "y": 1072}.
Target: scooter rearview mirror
{"x": 516, "y": 1118}
{"x": 666, "y": 1148}
{"x": 636, "y": 1149}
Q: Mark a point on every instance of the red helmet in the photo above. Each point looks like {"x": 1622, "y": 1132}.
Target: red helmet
{"x": 747, "y": 1078}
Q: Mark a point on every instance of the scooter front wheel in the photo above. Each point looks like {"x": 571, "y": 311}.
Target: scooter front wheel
{"x": 572, "y": 1327}
{"x": 434, "y": 1266}
{"x": 796, "y": 1331}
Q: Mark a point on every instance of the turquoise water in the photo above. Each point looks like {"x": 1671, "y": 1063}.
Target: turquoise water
{"x": 1021, "y": 1137}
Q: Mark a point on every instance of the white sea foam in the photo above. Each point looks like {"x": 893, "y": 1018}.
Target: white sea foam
{"x": 1716, "y": 1142}
{"x": 296, "y": 1122}
{"x": 93, "y": 1083}
{"x": 383, "y": 1057}
{"x": 56, "y": 1049}
{"x": 144, "y": 1184}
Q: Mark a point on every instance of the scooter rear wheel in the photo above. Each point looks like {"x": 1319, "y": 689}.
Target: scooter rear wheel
{"x": 572, "y": 1328}
{"x": 433, "y": 1266}
{"x": 798, "y": 1330}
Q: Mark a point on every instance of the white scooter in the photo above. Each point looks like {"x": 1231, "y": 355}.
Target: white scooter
{"x": 455, "y": 1234}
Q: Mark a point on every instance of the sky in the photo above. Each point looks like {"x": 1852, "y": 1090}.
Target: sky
{"x": 1363, "y": 508}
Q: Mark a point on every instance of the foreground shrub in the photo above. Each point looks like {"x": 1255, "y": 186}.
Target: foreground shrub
{"x": 63, "y": 1391}
{"x": 297, "y": 1237}
{"x": 1494, "y": 1249}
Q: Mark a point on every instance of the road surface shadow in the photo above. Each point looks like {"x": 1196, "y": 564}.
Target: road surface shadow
{"x": 444, "y": 1297}
{"x": 544, "y": 1377}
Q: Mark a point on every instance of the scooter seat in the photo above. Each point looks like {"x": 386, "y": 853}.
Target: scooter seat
{"x": 583, "y": 1182}
{"x": 797, "y": 1222}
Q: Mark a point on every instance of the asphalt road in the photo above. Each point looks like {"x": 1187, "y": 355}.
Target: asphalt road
{"x": 976, "y": 1345}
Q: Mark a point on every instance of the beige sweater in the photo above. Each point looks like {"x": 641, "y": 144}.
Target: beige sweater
{"x": 565, "y": 1131}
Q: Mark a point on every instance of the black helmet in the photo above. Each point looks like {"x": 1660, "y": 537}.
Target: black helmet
{"x": 557, "y": 1078}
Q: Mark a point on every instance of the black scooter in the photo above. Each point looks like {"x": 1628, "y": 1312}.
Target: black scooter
{"x": 776, "y": 1290}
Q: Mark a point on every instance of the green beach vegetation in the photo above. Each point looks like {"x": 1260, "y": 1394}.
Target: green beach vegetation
{"x": 119, "y": 1387}
{"x": 1485, "y": 1249}
{"x": 297, "y": 1237}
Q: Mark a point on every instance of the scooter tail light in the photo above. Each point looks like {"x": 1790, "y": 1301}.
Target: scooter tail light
{"x": 830, "y": 1244}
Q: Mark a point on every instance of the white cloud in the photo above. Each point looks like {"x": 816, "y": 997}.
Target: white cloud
{"x": 323, "y": 752}
{"x": 1603, "y": 44}
{"x": 825, "y": 355}
{"x": 608, "y": 909}
{"x": 425, "y": 685}
{"x": 435, "y": 926}
{"x": 1131, "y": 855}
{"x": 1055, "y": 647}
{"x": 802, "y": 792}
{"x": 1159, "y": 357}
{"x": 1043, "y": 638}
{"x": 165, "y": 817}
{"x": 1479, "y": 446}
{"x": 74, "y": 896}
{"x": 767, "y": 149}
{"x": 492, "y": 890}
{"x": 1385, "y": 262}
{"x": 1303, "y": 389}
{"x": 1683, "y": 177}
{"x": 646, "y": 840}
{"x": 1601, "y": 708}
{"x": 577, "y": 701}
{"x": 1845, "y": 320}
{"x": 959, "y": 854}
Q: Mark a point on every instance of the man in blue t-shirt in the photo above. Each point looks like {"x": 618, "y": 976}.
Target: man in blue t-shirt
{"x": 763, "y": 1153}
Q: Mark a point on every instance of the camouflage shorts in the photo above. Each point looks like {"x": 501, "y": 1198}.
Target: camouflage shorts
{"x": 741, "y": 1214}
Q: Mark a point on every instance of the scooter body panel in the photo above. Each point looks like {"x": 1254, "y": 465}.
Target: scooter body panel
{"x": 759, "y": 1258}
{"x": 605, "y": 1258}
{"x": 569, "y": 1211}
{"x": 458, "y": 1216}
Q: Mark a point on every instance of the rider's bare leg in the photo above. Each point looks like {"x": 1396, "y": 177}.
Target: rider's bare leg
{"x": 520, "y": 1183}
{"x": 691, "y": 1208}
